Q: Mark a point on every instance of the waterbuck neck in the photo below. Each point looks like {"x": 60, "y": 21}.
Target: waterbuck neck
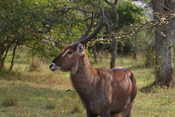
{"x": 85, "y": 78}
{"x": 84, "y": 67}
{"x": 85, "y": 72}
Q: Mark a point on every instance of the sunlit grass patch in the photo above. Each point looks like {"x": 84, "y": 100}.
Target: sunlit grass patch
{"x": 155, "y": 104}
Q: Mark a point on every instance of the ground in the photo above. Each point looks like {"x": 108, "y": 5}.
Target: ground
{"x": 43, "y": 93}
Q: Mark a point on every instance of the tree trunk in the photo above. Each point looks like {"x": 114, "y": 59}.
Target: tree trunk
{"x": 164, "y": 45}
{"x": 13, "y": 57}
{"x": 135, "y": 48}
{"x": 1, "y": 64}
{"x": 94, "y": 51}
{"x": 3, "y": 55}
{"x": 2, "y": 50}
{"x": 115, "y": 14}
{"x": 113, "y": 53}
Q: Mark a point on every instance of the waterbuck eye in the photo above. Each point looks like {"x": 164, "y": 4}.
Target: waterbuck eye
{"x": 70, "y": 52}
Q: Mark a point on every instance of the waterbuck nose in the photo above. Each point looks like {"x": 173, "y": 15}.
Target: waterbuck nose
{"x": 53, "y": 67}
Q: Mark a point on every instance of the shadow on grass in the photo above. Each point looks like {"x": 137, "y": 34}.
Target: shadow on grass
{"x": 153, "y": 87}
{"x": 9, "y": 75}
{"x": 148, "y": 89}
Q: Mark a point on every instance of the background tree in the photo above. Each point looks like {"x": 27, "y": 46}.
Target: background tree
{"x": 164, "y": 36}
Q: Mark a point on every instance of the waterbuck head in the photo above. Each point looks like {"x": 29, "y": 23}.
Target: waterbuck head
{"x": 69, "y": 58}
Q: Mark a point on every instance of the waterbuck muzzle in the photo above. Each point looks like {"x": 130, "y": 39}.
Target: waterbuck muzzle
{"x": 53, "y": 67}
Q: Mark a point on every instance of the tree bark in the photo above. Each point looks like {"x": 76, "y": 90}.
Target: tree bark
{"x": 110, "y": 28}
{"x": 1, "y": 61}
{"x": 94, "y": 51}
{"x": 135, "y": 48}
{"x": 3, "y": 54}
{"x": 113, "y": 53}
{"x": 164, "y": 36}
{"x": 13, "y": 56}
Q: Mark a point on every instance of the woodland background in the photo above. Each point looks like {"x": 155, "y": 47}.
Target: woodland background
{"x": 137, "y": 34}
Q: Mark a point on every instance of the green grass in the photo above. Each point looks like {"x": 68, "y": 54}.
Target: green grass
{"x": 47, "y": 94}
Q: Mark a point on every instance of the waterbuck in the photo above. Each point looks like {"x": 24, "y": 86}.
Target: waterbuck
{"x": 104, "y": 92}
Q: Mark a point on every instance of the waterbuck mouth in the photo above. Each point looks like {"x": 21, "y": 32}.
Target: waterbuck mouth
{"x": 53, "y": 67}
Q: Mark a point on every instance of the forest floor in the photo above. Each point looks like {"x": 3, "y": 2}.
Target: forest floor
{"x": 43, "y": 93}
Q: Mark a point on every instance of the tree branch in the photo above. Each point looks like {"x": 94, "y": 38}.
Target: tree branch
{"x": 94, "y": 33}
{"x": 88, "y": 28}
{"x": 116, "y": 1}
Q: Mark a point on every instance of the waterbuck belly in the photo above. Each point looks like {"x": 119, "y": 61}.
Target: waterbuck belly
{"x": 94, "y": 101}
{"x": 97, "y": 105}
{"x": 100, "y": 105}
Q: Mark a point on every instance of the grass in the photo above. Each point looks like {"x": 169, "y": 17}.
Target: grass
{"x": 46, "y": 94}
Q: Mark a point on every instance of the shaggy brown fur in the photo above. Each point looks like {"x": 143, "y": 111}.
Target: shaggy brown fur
{"x": 104, "y": 92}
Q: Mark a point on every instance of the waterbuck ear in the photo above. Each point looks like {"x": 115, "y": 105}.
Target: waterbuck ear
{"x": 80, "y": 48}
